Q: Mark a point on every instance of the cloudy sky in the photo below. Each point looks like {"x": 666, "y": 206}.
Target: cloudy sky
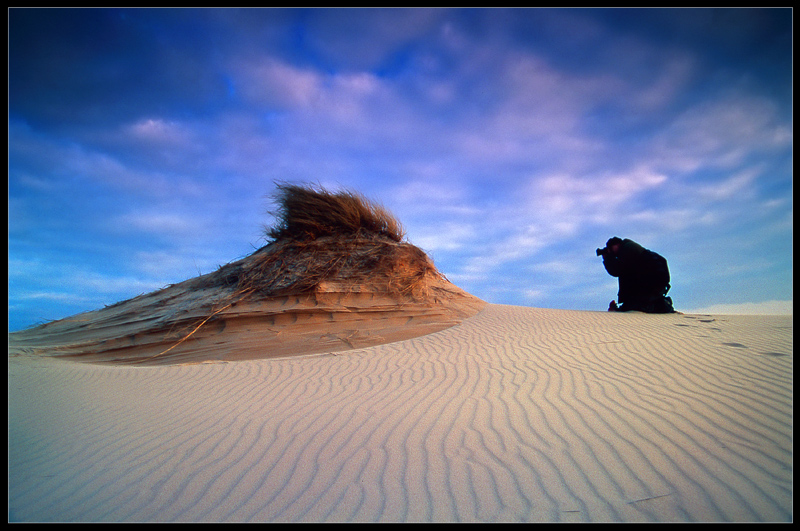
{"x": 144, "y": 145}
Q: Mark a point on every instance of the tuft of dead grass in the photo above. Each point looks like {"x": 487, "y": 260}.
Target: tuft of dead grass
{"x": 306, "y": 213}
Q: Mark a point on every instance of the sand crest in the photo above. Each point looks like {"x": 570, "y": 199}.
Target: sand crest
{"x": 514, "y": 414}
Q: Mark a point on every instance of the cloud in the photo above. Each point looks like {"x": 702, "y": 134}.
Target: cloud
{"x": 163, "y": 222}
{"x": 674, "y": 220}
{"x": 275, "y": 84}
{"x": 721, "y": 133}
{"x": 673, "y": 76}
{"x": 563, "y": 202}
{"x": 70, "y": 283}
{"x": 515, "y": 106}
{"x": 165, "y": 133}
{"x": 448, "y": 236}
{"x": 499, "y": 249}
{"x": 738, "y": 185}
{"x": 775, "y": 307}
{"x": 174, "y": 265}
{"x": 272, "y": 83}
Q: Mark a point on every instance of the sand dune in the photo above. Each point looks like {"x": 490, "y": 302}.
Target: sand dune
{"x": 209, "y": 319}
{"x": 515, "y": 414}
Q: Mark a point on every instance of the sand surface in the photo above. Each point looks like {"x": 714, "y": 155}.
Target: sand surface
{"x": 515, "y": 414}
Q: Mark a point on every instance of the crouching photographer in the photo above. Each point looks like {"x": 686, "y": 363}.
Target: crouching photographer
{"x": 643, "y": 277}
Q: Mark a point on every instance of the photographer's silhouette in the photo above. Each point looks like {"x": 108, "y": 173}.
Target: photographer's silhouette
{"x": 643, "y": 277}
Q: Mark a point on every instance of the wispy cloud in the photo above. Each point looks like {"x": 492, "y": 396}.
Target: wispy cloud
{"x": 721, "y": 133}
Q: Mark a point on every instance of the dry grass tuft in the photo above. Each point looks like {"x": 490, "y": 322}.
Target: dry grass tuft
{"x": 306, "y": 213}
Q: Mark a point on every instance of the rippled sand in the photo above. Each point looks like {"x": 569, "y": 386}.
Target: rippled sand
{"x": 516, "y": 414}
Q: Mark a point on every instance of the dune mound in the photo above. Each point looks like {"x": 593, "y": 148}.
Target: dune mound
{"x": 336, "y": 275}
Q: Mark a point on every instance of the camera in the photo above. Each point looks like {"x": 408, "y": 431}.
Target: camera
{"x": 601, "y": 252}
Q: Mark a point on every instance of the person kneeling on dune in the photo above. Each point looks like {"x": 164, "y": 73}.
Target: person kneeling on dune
{"x": 643, "y": 277}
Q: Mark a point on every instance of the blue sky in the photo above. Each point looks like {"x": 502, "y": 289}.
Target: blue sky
{"x": 144, "y": 144}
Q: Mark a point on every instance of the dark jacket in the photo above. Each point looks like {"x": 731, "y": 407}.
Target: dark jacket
{"x": 643, "y": 275}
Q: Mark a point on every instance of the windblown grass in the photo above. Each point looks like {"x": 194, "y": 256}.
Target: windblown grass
{"x": 306, "y": 214}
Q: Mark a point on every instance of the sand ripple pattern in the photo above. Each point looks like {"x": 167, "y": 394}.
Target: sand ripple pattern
{"x": 517, "y": 414}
